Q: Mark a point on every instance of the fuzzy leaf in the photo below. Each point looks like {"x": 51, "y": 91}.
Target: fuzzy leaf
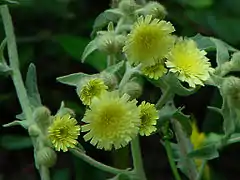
{"x": 184, "y": 121}
{"x": 72, "y": 79}
{"x": 89, "y": 49}
{"x": 115, "y": 68}
{"x": 203, "y": 42}
{"x": 207, "y": 153}
{"x": 177, "y": 87}
{"x": 31, "y": 86}
{"x": 222, "y": 51}
{"x": 11, "y": 142}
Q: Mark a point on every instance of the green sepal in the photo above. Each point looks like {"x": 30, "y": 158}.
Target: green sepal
{"x": 207, "y": 152}
{"x": 72, "y": 79}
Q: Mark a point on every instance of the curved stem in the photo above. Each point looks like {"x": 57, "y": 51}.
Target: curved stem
{"x": 171, "y": 160}
{"x": 137, "y": 159}
{"x": 164, "y": 98}
{"x": 44, "y": 173}
{"x": 97, "y": 164}
{"x": 14, "y": 63}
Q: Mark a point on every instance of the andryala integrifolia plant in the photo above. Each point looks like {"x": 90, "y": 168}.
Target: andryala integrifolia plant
{"x": 140, "y": 44}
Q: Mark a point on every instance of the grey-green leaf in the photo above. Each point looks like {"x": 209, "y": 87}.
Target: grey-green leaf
{"x": 222, "y": 51}
{"x": 203, "y": 42}
{"x": 115, "y": 68}
{"x": 89, "y": 49}
{"x": 11, "y": 142}
{"x": 72, "y": 79}
{"x": 206, "y": 152}
{"x": 31, "y": 85}
{"x": 184, "y": 121}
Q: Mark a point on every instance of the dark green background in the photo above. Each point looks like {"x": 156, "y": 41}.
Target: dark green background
{"x": 53, "y": 33}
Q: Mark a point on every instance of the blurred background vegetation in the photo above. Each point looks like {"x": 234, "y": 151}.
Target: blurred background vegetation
{"x": 53, "y": 33}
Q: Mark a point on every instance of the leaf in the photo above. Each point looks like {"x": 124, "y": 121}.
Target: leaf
{"x": 184, "y": 121}
{"x": 61, "y": 174}
{"x": 177, "y": 87}
{"x": 11, "y": 142}
{"x": 165, "y": 113}
{"x": 207, "y": 153}
{"x": 89, "y": 49}
{"x": 115, "y": 68}
{"x": 4, "y": 69}
{"x": 72, "y": 79}
{"x": 110, "y": 15}
{"x": 222, "y": 51}
{"x": 31, "y": 86}
{"x": 203, "y": 42}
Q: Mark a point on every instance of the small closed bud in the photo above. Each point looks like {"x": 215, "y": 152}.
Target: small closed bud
{"x": 231, "y": 90}
{"x": 128, "y": 6}
{"x": 41, "y": 116}
{"x": 46, "y": 157}
{"x": 109, "y": 80}
{"x": 110, "y": 43}
{"x": 153, "y": 8}
{"x": 33, "y": 130}
{"x": 133, "y": 89}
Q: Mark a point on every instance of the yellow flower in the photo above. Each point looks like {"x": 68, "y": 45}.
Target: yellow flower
{"x": 189, "y": 63}
{"x": 63, "y": 132}
{"x": 91, "y": 88}
{"x": 149, "y": 40}
{"x": 112, "y": 121}
{"x": 154, "y": 71}
{"x": 148, "y": 116}
{"x": 197, "y": 140}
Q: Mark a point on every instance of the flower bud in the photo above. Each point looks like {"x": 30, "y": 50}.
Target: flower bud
{"x": 133, "y": 89}
{"x": 128, "y": 6}
{"x": 155, "y": 9}
{"x": 109, "y": 80}
{"x": 33, "y": 130}
{"x": 46, "y": 157}
{"x": 231, "y": 90}
{"x": 110, "y": 43}
{"x": 41, "y": 116}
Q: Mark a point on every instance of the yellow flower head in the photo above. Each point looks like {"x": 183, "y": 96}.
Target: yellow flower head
{"x": 63, "y": 132}
{"x": 149, "y": 40}
{"x": 154, "y": 71}
{"x": 112, "y": 121}
{"x": 91, "y": 88}
{"x": 189, "y": 63}
{"x": 148, "y": 116}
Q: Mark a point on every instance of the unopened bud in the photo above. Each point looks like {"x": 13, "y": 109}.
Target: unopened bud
{"x": 231, "y": 90}
{"x": 41, "y": 116}
{"x": 128, "y": 6}
{"x": 110, "y": 43}
{"x": 133, "y": 89}
{"x": 46, "y": 157}
{"x": 33, "y": 130}
{"x": 109, "y": 80}
{"x": 153, "y": 8}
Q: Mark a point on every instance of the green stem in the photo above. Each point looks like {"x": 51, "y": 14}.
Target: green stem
{"x": 201, "y": 171}
{"x": 14, "y": 63}
{"x": 111, "y": 60}
{"x": 44, "y": 173}
{"x": 137, "y": 159}
{"x": 171, "y": 160}
{"x": 164, "y": 98}
{"x": 16, "y": 74}
{"x": 97, "y": 164}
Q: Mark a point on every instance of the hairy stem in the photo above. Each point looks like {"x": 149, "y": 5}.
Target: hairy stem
{"x": 16, "y": 74}
{"x": 171, "y": 160}
{"x": 14, "y": 63}
{"x": 166, "y": 96}
{"x": 137, "y": 159}
{"x": 97, "y": 164}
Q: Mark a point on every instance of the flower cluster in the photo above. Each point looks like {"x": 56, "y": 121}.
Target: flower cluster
{"x": 151, "y": 44}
